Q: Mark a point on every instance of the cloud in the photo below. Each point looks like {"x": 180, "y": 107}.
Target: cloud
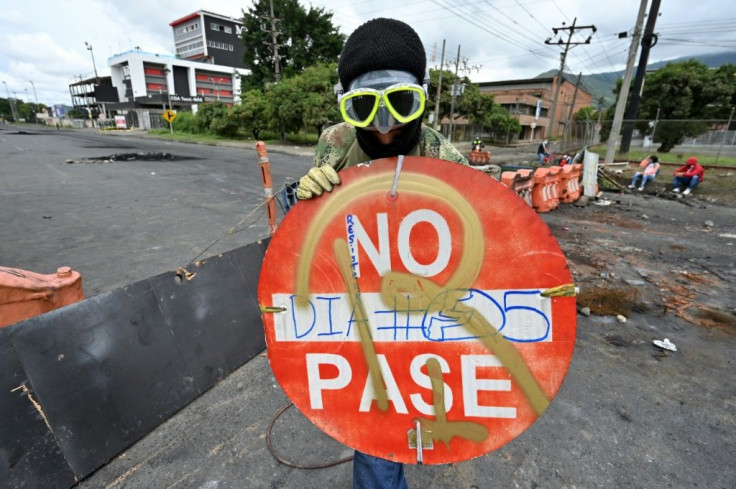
{"x": 44, "y": 40}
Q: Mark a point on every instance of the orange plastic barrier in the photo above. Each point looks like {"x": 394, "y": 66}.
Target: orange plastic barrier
{"x": 26, "y": 294}
{"x": 574, "y": 182}
{"x": 564, "y": 187}
{"x": 540, "y": 201}
{"x": 479, "y": 157}
{"x": 552, "y": 186}
{"x": 525, "y": 185}
{"x": 521, "y": 182}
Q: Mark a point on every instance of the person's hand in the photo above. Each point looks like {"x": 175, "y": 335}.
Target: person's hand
{"x": 319, "y": 179}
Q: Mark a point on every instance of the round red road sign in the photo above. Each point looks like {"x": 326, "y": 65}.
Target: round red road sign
{"x": 442, "y": 309}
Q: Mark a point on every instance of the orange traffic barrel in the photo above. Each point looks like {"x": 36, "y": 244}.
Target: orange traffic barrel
{"x": 26, "y": 294}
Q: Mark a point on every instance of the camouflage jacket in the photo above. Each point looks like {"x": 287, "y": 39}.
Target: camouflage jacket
{"x": 338, "y": 147}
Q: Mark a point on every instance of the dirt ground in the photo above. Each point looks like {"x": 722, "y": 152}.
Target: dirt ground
{"x": 629, "y": 414}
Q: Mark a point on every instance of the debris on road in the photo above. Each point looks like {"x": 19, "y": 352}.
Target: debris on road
{"x": 665, "y": 344}
{"x": 150, "y": 156}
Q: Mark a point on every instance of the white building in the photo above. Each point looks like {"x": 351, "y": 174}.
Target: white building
{"x": 148, "y": 83}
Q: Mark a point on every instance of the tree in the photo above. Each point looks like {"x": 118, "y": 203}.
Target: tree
{"x": 448, "y": 79}
{"x": 305, "y": 38}
{"x": 477, "y": 107}
{"x": 585, "y": 114}
{"x": 502, "y": 123}
{"x": 252, "y": 111}
{"x": 6, "y": 111}
{"x": 319, "y": 106}
{"x": 207, "y": 113}
{"x": 680, "y": 91}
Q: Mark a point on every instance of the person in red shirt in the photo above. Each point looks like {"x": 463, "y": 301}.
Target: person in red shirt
{"x": 690, "y": 174}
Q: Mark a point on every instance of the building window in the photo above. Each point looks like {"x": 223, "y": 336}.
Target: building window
{"x": 189, "y": 47}
{"x": 221, "y": 28}
{"x": 220, "y": 45}
{"x": 188, "y": 28}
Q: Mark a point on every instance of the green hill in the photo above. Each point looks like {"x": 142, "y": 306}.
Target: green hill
{"x": 602, "y": 84}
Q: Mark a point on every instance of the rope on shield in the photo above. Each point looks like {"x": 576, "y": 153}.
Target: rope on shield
{"x": 294, "y": 464}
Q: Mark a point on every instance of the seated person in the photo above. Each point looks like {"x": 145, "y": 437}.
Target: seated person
{"x": 689, "y": 174}
{"x": 650, "y": 170}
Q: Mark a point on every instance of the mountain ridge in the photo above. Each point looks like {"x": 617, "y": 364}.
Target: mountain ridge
{"x": 602, "y": 84}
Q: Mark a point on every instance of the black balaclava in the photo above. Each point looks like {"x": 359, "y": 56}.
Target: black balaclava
{"x": 384, "y": 44}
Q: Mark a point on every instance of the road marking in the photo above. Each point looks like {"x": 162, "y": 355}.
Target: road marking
{"x": 56, "y": 169}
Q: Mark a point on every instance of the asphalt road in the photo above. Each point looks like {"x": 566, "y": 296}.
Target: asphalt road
{"x": 627, "y": 415}
{"x": 120, "y": 222}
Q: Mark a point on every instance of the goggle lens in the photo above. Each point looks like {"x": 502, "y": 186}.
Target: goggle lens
{"x": 362, "y": 106}
{"x": 404, "y": 102}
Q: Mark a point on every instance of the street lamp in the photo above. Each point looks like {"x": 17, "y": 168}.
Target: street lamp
{"x": 10, "y": 102}
{"x": 89, "y": 48}
{"x": 217, "y": 87}
{"x": 168, "y": 94}
{"x": 34, "y": 93}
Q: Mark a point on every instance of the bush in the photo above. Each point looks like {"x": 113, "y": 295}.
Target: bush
{"x": 225, "y": 126}
{"x": 207, "y": 113}
{"x": 185, "y": 122}
{"x": 302, "y": 138}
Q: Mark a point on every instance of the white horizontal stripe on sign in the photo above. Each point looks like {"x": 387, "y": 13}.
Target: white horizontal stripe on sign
{"x": 519, "y": 315}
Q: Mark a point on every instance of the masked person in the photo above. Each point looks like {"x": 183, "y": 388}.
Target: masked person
{"x": 382, "y": 93}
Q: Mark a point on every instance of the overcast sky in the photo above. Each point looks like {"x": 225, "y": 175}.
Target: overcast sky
{"x": 43, "y": 40}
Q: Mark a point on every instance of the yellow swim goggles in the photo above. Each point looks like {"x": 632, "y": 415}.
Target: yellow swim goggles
{"x": 404, "y": 101}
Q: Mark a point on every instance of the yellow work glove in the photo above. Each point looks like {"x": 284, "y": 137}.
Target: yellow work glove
{"x": 319, "y": 179}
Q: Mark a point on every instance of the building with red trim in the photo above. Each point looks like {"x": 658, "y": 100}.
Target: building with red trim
{"x": 149, "y": 83}
{"x": 209, "y": 37}
{"x": 522, "y": 97}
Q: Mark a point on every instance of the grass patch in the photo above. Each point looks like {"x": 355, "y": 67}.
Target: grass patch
{"x": 269, "y": 137}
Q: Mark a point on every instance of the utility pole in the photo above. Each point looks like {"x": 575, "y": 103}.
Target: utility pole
{"x": 439, "y": 89}
{"x": 623, "y": 94}
{"x": 725, "y": 133}
{"x": 455, "y": 86}
{"x": 563, "y": 58}
{"x": 274, "y": 43}
{"x": 647, "y": 42}
{"x": 572, "y": 106}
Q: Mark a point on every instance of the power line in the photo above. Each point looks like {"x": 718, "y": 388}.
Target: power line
{"x": 563, "y": 57}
